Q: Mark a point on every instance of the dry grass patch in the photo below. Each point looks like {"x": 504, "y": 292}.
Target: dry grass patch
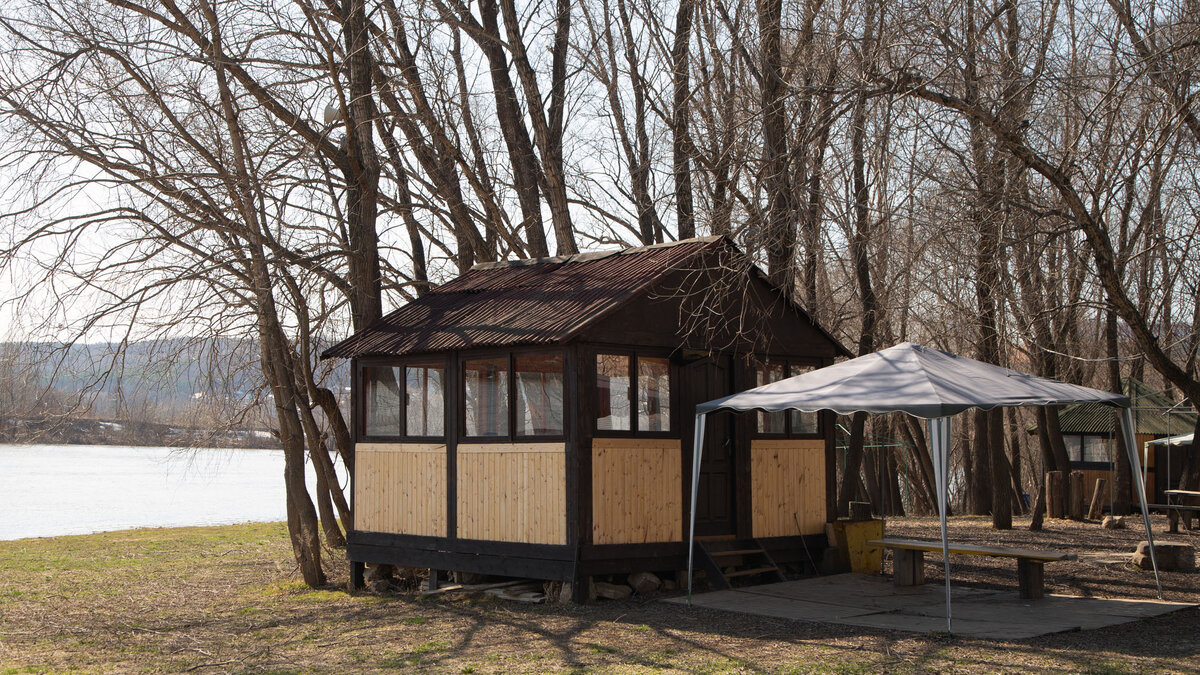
{"x": 228, "y": 599}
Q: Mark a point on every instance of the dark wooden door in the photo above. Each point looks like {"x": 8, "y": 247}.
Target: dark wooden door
{"x": 717, "y": 497}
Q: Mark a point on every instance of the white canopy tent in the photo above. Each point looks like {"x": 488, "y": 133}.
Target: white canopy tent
{"x": 1173, "y": 441}
{"x": 922, "y": 382}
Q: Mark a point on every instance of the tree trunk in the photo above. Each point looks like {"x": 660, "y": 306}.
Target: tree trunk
{"x": 638, "y": 148}
{"x": 1014, "y": 442}
{"x": 302, "y": 515}
{"x": 329, "y": 524}
{"x": 1039, "y": 507}
{"x": 848, "y": 492}
{"x": 911, "y": 429}
{"x": 329, "y": 492}
{"x": 547, "y": 132}
{"x": 1189, "y": 477}
{"x": 526, "y": 171}
{"x": 680, "y": 144}
{"x": 1002, "y": 493}
{"x": 779, "y": 237}
{"x": 979, "y": 495}
{"x": 337, "y": 424}
{"x": 1123, "y": 478}
{"x": 362, "y": 178}
{"x": 1057, "y": 455}
{"x": 891, "y": 478}
{"x": 859, "y": 252}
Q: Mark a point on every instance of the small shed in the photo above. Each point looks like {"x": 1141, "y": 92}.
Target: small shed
{"x": 533, "y": 418}
{"x": 1089, "y": 433}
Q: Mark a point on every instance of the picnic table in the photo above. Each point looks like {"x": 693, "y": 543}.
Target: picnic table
{"x": 1176, "y": 510}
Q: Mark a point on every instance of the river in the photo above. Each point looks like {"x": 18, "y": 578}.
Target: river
{"x": 51, "y": 490}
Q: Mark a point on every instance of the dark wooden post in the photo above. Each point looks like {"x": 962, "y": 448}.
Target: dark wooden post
{"x": 1031, "y": 578}
{"x": 1075, "y": 495}
{"x": 1054, "y": 494}
{"x": 909, "y": 567}
{"x": 357, "y": 573}
{"x": 860, "y": 511}
{"x": 1097, "y": 507}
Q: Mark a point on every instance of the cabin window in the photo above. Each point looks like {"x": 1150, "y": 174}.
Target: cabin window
{"x": 623, "y": 380}
{"x": 381, "y": 401}
{"x": 654, "y": 394}
{"x": 803, "y": 422}
{"x": 1086, "y": 448}
{"x": 615, "y": 389}
{"x": 424, "y": 399}
{"x": 776, "y": 422}
{"x": 485, "y": 389}
{"x": 539, "y": 401}
{"x": 792, "y": 422}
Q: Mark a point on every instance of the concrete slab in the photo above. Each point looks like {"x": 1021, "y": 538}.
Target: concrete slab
{"x": 873, "y": 601}
{"x": 784, "y": 608}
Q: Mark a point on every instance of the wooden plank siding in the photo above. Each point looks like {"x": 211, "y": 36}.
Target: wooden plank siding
{"x": 787, "y": 487}
{"x": 512, "y": 492}
{"x": 400, "y": 488}
{"x": 634, "y": 500}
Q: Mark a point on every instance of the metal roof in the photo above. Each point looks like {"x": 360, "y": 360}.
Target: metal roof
{"x": 1150, "y": 414}
{"x": 538, "y": 301}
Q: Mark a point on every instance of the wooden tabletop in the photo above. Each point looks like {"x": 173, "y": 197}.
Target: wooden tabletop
{"x": 1182, "y": 493}
{"x": 972, "y": 549}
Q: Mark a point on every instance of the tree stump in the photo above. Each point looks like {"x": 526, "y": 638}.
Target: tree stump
{"x": 1097, "y": 507}
{"x": 1075, "y": 495}
{"x": 1055, "y": 499}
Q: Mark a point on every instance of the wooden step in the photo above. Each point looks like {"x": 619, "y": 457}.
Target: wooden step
{"x": 745, "y": 551}
{"x": 746, "y": 573}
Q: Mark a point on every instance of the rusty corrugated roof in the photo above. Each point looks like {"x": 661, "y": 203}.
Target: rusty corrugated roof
{"x": 539, "y": 301}
{"x": 1150, "y": 414}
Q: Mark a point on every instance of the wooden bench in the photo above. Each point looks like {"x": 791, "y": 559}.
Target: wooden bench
{"x": 909, "y": 563}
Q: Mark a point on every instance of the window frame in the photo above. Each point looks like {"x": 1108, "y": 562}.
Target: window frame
{"x": 1085, "y": 464}
{"x": 445, "y": 362}
{"x": 512, "y": 399}
{"x": 634, "y": 390}
{"x": 460, "y": 383}
{"x": 788, "y": 362}
{"x": 402, "y": 363}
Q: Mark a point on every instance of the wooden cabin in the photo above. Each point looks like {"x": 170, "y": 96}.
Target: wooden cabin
{"x": 534, "y": 418}
{"x": 1088, "y": 432}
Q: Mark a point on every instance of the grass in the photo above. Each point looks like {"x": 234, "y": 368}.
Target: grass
{"x": 228, "y": 599}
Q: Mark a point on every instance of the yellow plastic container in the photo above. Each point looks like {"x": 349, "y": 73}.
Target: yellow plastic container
{"x": 855, "y": 553}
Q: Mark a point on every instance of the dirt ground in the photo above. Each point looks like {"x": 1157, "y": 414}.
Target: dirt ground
{"x": 228, "y": 599}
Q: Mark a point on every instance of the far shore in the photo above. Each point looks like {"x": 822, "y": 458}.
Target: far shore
{"x": 91, "y": 431}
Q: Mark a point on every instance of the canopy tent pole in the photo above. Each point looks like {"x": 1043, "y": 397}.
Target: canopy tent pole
{"x": 1140, "y": 482}
{"x": 697, "y": 454}
{"x": 939, "y": 445}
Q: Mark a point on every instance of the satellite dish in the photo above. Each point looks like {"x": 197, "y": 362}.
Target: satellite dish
{"x": 332, "y": 114}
